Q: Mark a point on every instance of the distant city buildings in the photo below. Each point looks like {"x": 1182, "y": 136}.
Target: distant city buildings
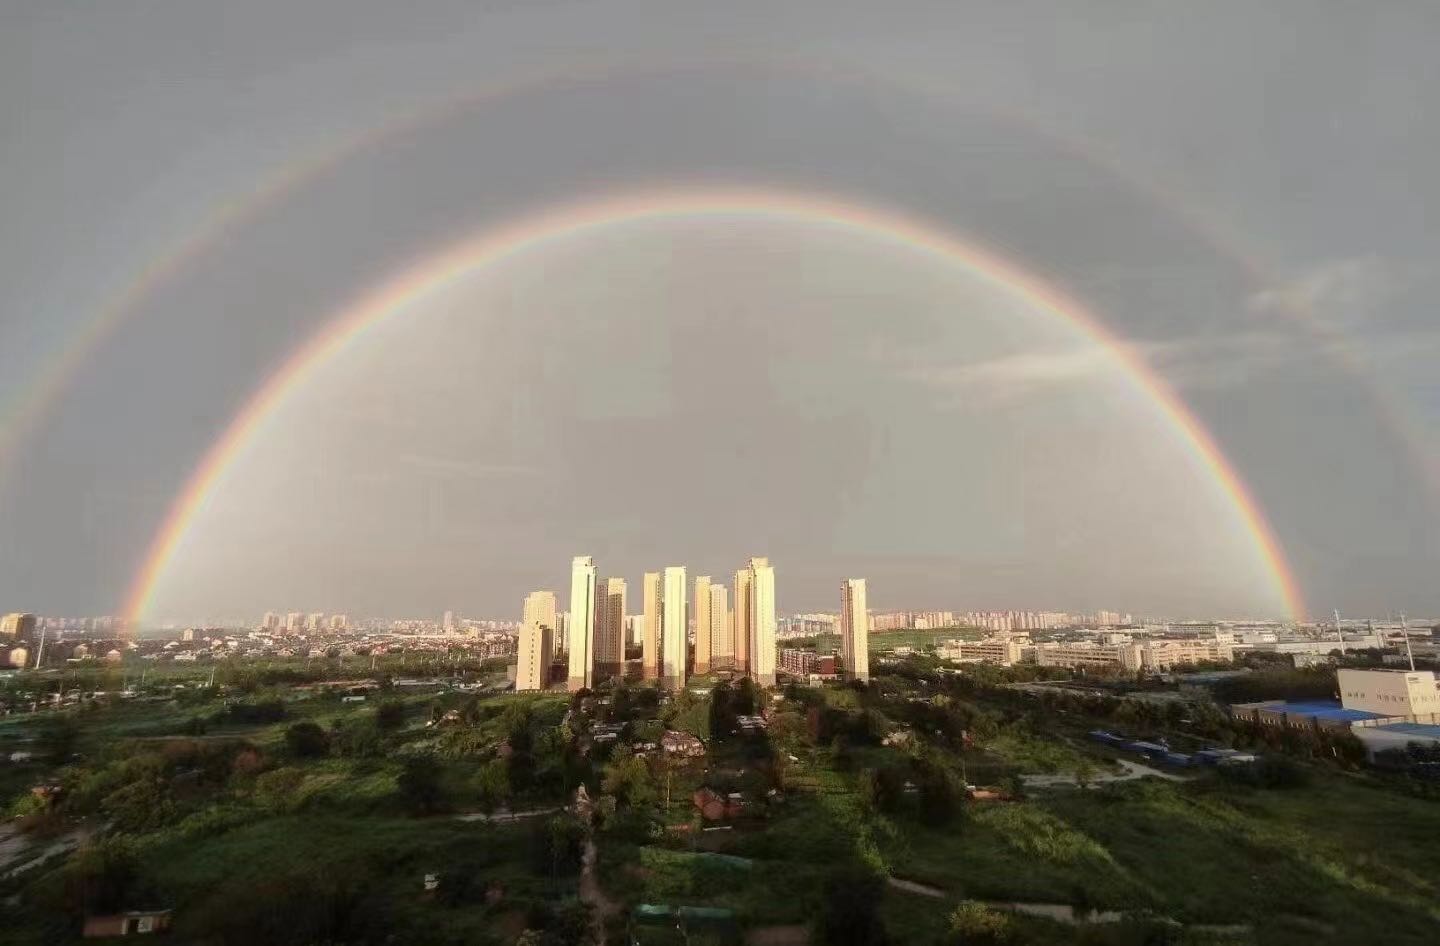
{"x": 854, "y": 630}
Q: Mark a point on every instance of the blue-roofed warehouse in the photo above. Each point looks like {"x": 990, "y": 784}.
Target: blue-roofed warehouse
{"x": 1325, "y": 714}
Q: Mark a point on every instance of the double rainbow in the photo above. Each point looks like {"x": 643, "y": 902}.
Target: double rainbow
{"x": 444, "y": 268}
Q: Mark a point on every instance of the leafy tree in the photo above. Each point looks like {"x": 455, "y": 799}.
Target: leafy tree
{"x": 419, "y": 783}
{"x": 390, "y": 714}
{"x": 627, "y": 778}
{"x": 307, "y": 740}
{"x": 57, "y": 738}
{"x": 494, "y": 785}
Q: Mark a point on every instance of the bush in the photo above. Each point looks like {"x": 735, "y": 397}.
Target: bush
{"x": 419, "y": 784}
{"x": 390, "y": 715}
{"x": 307, "y": 740}
{"x": 974, "y": 924}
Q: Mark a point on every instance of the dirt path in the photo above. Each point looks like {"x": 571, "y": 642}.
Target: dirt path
{"x": 506, "y": 817}
{"x": 1132, "y": 771}
{"x": 602, "y": 907}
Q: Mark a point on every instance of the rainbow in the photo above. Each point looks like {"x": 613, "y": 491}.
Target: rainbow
{"x": 38, "y": 397}
{"x": 437, "y": 271}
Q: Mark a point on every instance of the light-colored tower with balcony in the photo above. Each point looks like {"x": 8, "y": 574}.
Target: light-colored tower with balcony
{"x": 610, "y": 629}
{"x": 762, "y": 622}
{"x": 704, "y": 642}
{"x": 722, "y": 630}
{"x": 854, "y": 630}
{"x": 654, "y": 614}
{"x": 675, "y": 628}
{"x": 582, "y": 624}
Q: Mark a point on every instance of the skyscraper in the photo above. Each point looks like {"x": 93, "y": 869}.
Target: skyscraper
{"x": 316, "y": 621}
{"x": 703, "y": 640}
{"x": 339, "y": 622}
{"x": 535, "y": 646}
{"x": 534, "y": 651}
{"x": 762, "y": 622}
{"x": 650, "y": 649}
{"x": 609, "y": 658}
{"x": 270, "y": 622}
{"x": 675, "y": 628}
{"x": 582, "y": 623}
{"x": 295, "y": 621}
{"x": 722, "y": 629}
{"x": 540, "y": 609}
{"x": 448, "y": 621}
{"x": 744, "y": 583}
{"x": 854, "y": 630}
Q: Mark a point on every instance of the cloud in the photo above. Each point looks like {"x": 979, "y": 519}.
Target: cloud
{"x": 1341, "y": 289}
{"x": 475, "y": 469}
{"x": 1019, "y": 373}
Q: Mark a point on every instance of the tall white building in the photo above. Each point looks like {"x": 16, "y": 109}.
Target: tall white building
{"x": 295, "y": 621}
{"x": 448, "y": 621}
{"x": 653, "y": 592}
{"x": 854, "y": 630}
{"x": 271, "y": 621}
{"x": 317, "y": 621}
{"x": 582, "y": 623}
{"x": 535, "y": 647}
{"x": 704, "y": 640}
{"x": 609, "y": 657}
{"x": 741, "y": 610}
{"x": 762, "y": 621}
{"x": 339, "y": 622}
{"x": 675, "y": 628}
{"x": 722, "y": 629}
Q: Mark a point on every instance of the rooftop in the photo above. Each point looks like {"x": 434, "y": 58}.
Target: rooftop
{"x": 1411, "y": 729}
{"x": 1323, "y": 709}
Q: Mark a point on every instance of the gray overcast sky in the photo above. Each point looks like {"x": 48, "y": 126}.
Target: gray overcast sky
{"x": 1244, "y": 192}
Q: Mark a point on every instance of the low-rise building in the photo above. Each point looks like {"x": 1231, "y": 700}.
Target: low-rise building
{"x": 1413, "y": 694}
{"x": 1003, "y": 651}
{"x": 804, "y": 663}
{"x": 1085, "y": 654}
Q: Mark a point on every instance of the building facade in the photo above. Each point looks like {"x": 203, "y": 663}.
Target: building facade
{"x": 741, "y": 608}
{"x": 674, "y": 628}
{"x": 609, "y": 657}
{"x": 722, "y": 629}
{"x": 762, "y": 622}
{"x": 703, "y": 639}
{"x": 581, "y": 642}
{"x": 654, "y": 614}
{"x": 854, "y": 630}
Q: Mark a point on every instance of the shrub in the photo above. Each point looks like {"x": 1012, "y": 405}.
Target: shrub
{"x": 307, "y": 740}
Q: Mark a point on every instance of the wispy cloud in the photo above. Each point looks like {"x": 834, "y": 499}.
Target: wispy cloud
{"x": 475, "y": 469}
{"x": 1192, "y": 362}
{"x": 1341, "y": 289}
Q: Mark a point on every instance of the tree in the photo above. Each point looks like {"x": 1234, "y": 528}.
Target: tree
{"x": 1084, "y": 772}
{"x": 307, "y": 740}
{"x": 494, "y": 785}
{"x": 851, "y": 914}
{"x": 58, "y": 737}
{"x": 390, "y": 714}
{"x": 419, "y": 783}
{"x": 627, "y": 777}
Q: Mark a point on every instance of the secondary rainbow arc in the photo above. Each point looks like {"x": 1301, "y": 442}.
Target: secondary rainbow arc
{"x": 441, "y": 269}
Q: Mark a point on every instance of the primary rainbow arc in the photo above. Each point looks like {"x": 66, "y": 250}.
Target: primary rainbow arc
{"x": 443, "y": 268}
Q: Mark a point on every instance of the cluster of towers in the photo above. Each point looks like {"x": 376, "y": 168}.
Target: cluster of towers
{"x": 735, "y": 634}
